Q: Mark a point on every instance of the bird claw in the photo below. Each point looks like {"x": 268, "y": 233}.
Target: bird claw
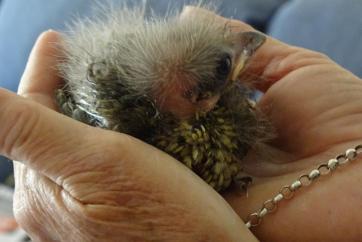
{"x": 243, "y": 182}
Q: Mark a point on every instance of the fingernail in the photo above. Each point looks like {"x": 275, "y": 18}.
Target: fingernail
{"x": 187, "y": 10}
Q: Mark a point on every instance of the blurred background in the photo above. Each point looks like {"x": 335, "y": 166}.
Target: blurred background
{"x": 333, "y": 27}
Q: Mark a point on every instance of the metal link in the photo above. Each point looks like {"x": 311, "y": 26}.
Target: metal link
{"x": 295, "y": 185}
{"x": 287, "y": 192}
{"x": 333, "y": 164}
{"x": 314, "y": 174}
{"x": 324, "y": 169}
{"x": 262, "y": 212}
{"x": 270, "y": 205}
{"x": 351, "y": 154}
{"x": 358, "y": 149}
{"x": 305, "y": 180}
{"x": 278, "y": 198}
{"x": 254, "y": 220}
{"x": 342, "y": 159}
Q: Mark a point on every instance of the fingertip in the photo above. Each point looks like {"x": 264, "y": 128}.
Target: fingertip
{"x": 189, "y": 11}
{"x": 48, "y": 36}
{"x": 40, "y": 75}
{"x": 44, "y": 44}
{"x": 235, "y": 25}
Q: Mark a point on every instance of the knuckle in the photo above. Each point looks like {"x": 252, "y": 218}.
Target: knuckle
{"x": 315, "y": 54}
{"x": 141, "y": 211}
{"x": 114, "y": 145}
{"x": 18, "y": 121}
{"x": 311, "y": 55}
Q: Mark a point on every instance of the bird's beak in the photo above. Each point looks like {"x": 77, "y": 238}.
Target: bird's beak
{"x": 239, "y": 66}
{"x": 246, "y": 45}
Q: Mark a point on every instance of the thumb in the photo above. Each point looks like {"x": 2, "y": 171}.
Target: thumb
{"x": 41, "y": 78}
{"x": 43, "y": 139}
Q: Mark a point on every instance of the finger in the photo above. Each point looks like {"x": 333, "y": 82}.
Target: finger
{"x": 43, "y": 139}
{"x": 40, "y": 78}
{"x": 190, "y": 11}
{"x": 7, "y": 224}
{"x": 273, "y": 60}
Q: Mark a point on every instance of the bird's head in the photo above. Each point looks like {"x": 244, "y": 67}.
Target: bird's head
{"x": 183, "y": 65}
{"x": 192, "y": 61}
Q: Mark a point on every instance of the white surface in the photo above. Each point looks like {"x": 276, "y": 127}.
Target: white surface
{"x": 15, "y": 236}
{"x": 6, "y": 201}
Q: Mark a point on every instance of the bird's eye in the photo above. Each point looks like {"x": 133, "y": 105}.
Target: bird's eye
{"x": 224, "y": 66}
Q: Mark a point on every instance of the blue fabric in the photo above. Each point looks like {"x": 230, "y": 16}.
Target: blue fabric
{"x": 333, "y": 27}
{"x": 20, "y": 24}
{"x": 6, "y": 168}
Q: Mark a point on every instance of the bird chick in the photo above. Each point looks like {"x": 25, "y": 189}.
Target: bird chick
{"x": 171, "y": 82}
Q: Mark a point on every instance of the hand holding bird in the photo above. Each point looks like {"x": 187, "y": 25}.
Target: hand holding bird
{"x": 102, "y": 185}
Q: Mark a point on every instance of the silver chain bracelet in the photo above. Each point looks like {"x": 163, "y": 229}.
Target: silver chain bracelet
{"x": 287, "y": 192}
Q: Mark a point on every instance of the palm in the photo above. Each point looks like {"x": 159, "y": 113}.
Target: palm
{"x": 315, "y": 107}
{"x": 315, "y": 110}
{"x": 309, "y": 105}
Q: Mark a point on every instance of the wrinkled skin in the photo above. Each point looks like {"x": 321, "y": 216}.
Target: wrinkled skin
{"x": 79, "y": 183}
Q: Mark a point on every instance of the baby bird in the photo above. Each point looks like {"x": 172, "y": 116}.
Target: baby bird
{"x": 172, "y": 82}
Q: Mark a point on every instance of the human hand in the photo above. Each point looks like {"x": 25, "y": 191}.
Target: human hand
{"x": 7, "y": 224}
{"x": 315, "y": 107}
{"x": 80, "y": 183}
{"x": 285, "y": 71}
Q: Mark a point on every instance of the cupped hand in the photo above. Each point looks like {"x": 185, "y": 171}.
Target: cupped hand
{"x": 316, "y": 109}
{"x": 79, "y": 183}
